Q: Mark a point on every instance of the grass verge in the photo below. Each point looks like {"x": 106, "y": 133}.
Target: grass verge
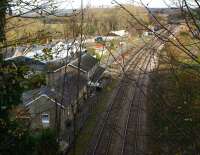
{"x": 87, "y": 132}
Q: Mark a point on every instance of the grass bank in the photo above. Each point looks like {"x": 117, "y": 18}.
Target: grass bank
{"x": 87, "y": 132}
{"x": 175, "y": 112}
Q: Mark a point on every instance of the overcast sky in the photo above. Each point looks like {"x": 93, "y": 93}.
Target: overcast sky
{"x": 95, "y": 3}
{"x": 75, "y": 4}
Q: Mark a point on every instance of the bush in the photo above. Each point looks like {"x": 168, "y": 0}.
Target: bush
{"x": 175, "y": 111}
{"x": 46, "y": 143}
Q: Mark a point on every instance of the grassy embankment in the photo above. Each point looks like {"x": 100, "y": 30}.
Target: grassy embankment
{"x": 174, "y": 102}
{"x": 86, "y": 133}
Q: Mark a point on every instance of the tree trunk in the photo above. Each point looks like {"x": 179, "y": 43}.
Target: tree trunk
{"x": 3, "y": 7}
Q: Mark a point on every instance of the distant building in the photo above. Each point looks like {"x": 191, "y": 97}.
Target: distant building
{"x": 196, "y": 34}
{"x": 146, "y": 33}
{"x": 120, "y": 33}
{"x": 58, "y": 51}
{"x": 34, "y": 65}
{"x": 151, "y": 28}
{"x": 8, "y": 52}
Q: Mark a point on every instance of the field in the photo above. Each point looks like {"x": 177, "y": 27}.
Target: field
{"x": 28, "y": 27}
{"x": 97, "y": 21}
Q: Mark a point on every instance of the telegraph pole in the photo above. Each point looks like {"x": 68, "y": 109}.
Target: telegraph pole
{"x": 75, "y": 110}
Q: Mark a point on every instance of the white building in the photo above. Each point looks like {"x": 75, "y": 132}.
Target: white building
{"x": 120, "y": 33}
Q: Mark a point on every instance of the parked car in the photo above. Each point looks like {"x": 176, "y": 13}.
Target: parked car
{"x": 99, "y": 39}
{"x": 103, "y": 82}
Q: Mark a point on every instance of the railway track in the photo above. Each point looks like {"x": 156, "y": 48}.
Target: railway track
{"x": 119, "y": 130}
{"x": 105, "y": 134}
{"x": 107, "y": 131}
{"x": 133, "y": 142}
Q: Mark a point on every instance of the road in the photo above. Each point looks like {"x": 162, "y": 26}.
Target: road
{"x": 123, "y": 129}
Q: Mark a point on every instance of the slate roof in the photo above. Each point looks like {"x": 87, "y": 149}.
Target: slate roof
{"x": 66, "y": 86}
{"x": 26, "y": 60}
{"x": 8, "y": 52}
{"x": 97, "y": 74}
{"x": 22, "y": 60}
{"x": 31, "y": 95}
{"x": 87, "y": 62}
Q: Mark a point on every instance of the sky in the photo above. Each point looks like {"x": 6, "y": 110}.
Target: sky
{"x": 75, "y": 4}
{"x": 96, "y": 3}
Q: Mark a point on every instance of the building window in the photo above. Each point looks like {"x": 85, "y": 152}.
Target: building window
{"x": 45, "y": 120}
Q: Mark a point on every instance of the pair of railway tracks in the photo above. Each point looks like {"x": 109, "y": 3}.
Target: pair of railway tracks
{"x": 109, "y": 129}
{"x": 133, "y": 142}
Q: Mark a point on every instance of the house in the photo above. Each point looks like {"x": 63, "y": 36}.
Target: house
{"x": 33, "y": 70}
{"x": 34, "y": 65}
{"x": 100, "y": 49}
{"x": 8, "y": 52}
{"x": 69, "y": 82}
{"x": 196, "y": 34}
{"x": 120, "y": 33}
{"x": 88, "y": 65}
{"x": 53, "y": 76}
{"x": 58, "y": 51}
{"x": 91, "y": 69}
{"x": 53, "y": 106}
{"x": 42, "y": 107}
{"x": 146, "y": 33}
